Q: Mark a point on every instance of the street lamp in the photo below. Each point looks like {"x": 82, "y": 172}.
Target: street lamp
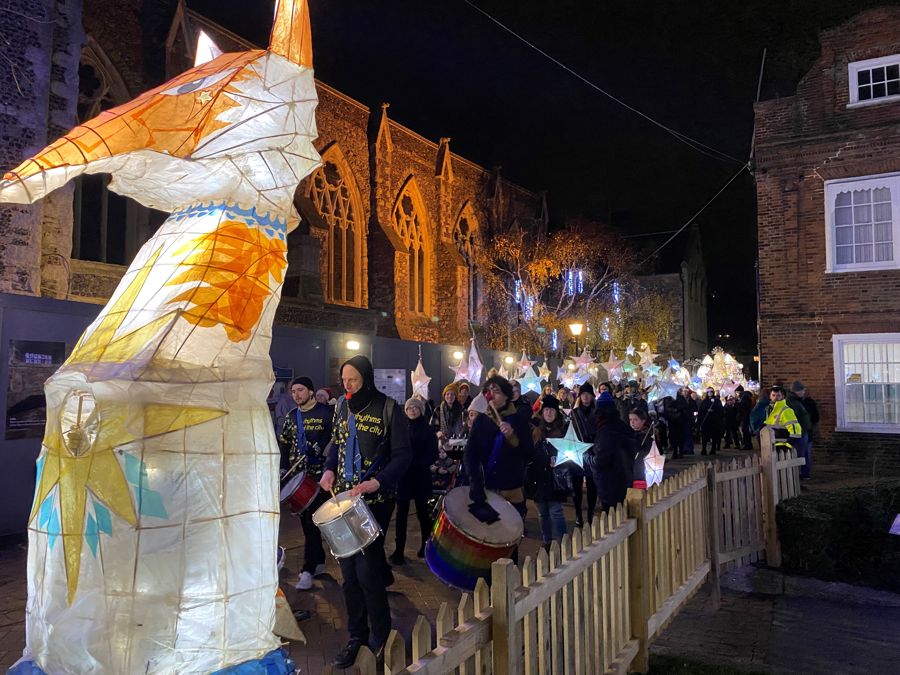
{"x": 575, "y": 329}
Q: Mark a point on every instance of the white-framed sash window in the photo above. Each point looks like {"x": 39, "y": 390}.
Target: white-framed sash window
{"x": 867, "y": 382}
{"x": 874, "y": 80}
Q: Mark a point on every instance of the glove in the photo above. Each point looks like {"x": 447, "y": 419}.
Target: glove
{"x": 484, "y": 512}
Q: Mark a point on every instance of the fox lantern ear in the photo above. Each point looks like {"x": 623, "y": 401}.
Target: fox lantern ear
{"x": 291, "y": 33}
{"x": 207, "y": 50}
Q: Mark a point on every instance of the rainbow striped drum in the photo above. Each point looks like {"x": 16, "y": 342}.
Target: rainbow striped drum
{"x": 462, "y": 548}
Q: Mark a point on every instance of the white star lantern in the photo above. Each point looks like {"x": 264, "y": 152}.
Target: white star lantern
{"x": 461, "y": 372}
{"x": 584, "y": 361}
{"x": 647, "y": 356}
{"x": 653, "y": 466}
{"x": 503, "y": 372}
{"x": 420, "y": 381}
{"x": 629, "y": 350}
{"x": 569, "y": 448}
{"x": 544, "y": 372}
{"x": 530, "y": 382}
{"x": 475, "y": 365}
{"x": 523, "y": 365}
{"x": 612, "y": 365}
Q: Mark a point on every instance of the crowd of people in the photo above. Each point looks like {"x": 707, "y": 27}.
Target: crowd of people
{"x": 495, "y": 439}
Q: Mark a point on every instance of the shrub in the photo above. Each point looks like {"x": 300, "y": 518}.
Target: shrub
{"x": 843, "y": 535}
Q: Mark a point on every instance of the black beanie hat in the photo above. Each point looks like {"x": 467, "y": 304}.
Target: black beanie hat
{"x": 305, "y": 381}
{"x": 550, "y": 402}
{"x": 586, "y": 388}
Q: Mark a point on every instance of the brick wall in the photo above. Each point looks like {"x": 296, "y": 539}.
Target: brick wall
{"x": 801, "y": 142}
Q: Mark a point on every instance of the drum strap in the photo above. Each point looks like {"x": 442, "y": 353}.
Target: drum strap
{"x": 302, "y": 447}
{"x": 495, "y": 454}
{"x": 352, "y": 454}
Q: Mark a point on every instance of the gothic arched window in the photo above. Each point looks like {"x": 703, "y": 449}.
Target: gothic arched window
{"x": 464, "y": 237}
{"x": 409, "y": 223}
{"x": 337, "y": 200}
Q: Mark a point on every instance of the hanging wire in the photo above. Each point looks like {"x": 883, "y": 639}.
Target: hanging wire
{"x": 687, "y": 140}
{"x": 690, "y": 220}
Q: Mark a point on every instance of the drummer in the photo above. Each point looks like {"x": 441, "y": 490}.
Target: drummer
{"x": 369, "y": 454}
{"x": 304, "y": 436}
{"x": 498, "y": 447}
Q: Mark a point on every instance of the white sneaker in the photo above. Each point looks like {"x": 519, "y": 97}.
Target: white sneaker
{"x": 320, "y": 570}
{"x": 304, "y": 583}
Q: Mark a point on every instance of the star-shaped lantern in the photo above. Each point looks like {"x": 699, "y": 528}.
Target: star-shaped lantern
{"x": 629, "y": 350}
{"x": 420, "y": 381}
{"x": 569, "y": 448}
{"x": 461, "y": 371}
{"x": 544, "y": 372}
{"x": 612, "y": 365}
{"x": 523, "y": 365}
{"x": 584, "y": 361}
{"x": 475, "y": 365}
{"x": 653, "y": 466}
{"x": 503, "y": 372}
{"x": 530, "y": 382}
{"x": 647, "y": 356}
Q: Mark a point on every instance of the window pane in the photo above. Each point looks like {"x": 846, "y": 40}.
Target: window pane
{"x": 863, "y": 253}
{"x": 883, "y": 212}
{"x": 863, "y": 234}
{"x": 879, "y": 90}
{"x": 842, "y": 199}
{"x": 878, "y": 74}
{"x": 337, "y": 275}
{"x": 843, "y": 215}
{"x": 882, "y": 232}
{"x": 884, "y": 252}
{"x": 865, "y": 93}
{"x": 350, "y": 268}
{"x": 862, "y": 214}
{"x": 420, "y": 282}
{"x": 893, "y": 87}
{"x": 882, "y": 194}
{"x": 412, "y": 280}
{"x": 843, "y": 235}
{"x": 862, "y": 77}
{"x": 844, "y": 255}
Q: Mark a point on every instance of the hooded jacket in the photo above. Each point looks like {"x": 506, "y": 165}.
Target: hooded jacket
{"x": 614, "y": 454}
{"x": 385, "y": 452}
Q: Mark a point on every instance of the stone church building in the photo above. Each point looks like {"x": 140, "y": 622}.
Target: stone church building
{"x": 388, "y": 223}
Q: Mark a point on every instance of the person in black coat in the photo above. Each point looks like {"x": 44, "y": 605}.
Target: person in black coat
{"x": 613, "y": 454}
{"x": 416, "y": 484}
{"x": 683, "y": 408}
{"x": 644, "y": 435}
{"x": 732, "y": 428}
{"x": 541, "y": 484}
{"x": 712, "y": 422}
{"x": 744, "y": 409}
{"x": 583, "y": 418}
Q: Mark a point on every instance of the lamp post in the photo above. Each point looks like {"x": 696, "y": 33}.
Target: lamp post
{"x": 575, "y": 329}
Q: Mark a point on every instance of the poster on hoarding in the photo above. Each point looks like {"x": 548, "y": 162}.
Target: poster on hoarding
{"x": 392, "y": 382}
{"x": 31, "y": 362}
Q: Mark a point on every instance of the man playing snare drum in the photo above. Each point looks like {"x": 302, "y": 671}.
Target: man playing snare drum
{"x": 303, "y": 439}
{"x": 369, "y": 454}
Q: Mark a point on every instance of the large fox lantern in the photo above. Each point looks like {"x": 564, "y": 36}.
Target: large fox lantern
{"x": 153, "y": 534}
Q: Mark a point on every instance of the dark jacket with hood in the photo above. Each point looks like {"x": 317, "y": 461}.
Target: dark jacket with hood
{"x": 539, "y": 483}
{"x": 614, "y": 454}
{"x": 385, "y": 452}
{"x": 492, "y": 461}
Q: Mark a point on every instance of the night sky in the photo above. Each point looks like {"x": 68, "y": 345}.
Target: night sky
{"x": 449, "y": 71}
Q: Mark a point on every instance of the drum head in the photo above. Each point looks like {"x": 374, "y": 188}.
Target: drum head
{"x": 291, "y": 486}
{"x": 334, "y": 508}
{"x": 506, "y": 531}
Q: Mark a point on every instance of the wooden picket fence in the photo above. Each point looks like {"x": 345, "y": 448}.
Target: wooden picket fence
{"x": 597, "y": 600}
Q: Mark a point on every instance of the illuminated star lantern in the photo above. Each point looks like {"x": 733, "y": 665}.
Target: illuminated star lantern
{"x": 503, "y": 372}
{"x": 613, "y": 365}
{"x": 461, "y": 371}
{"x": 584, "y": 361}
{"x": 647, "y": 356}
{"x": 523, "y": 365}
{"x": 569, "y": 448}
{"x": 544, "y": 372}
{"x": 530, "y": 382}
{"x": 674, "y": 365}
{"x": 475, "y": 365}
{"x": 628, "y": 366}
{"x": 420, "y": 381}
{"x": 652, "y": 369}
{"x": 629, "y": 350}
{"x": 653, "y": 466}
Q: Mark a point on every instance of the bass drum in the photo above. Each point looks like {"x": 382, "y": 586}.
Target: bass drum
{"x": 462, "y": 548}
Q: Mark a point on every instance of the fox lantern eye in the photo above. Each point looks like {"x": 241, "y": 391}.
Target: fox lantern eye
{"x": 198, "y": 84}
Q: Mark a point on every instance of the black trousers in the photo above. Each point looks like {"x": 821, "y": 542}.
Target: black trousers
{"x": 313, "y": 552}
{"x": 732, "y": 437}
{"x": 747, "y": 436}
{"x": 365, "y": 592}
{"x": 578, "y": 480}
{"x": 423, "y": 514}
{"x": 715, "y": 441}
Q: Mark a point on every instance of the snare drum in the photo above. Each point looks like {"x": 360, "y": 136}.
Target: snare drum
{"x": 299, "y": 492}
{"x": 347, "y": 524}
{"x": 462, "y": 548}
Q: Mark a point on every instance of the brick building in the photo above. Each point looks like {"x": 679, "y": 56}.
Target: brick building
{"x": 388, "y": 224}
{"x": 828, "y": 194}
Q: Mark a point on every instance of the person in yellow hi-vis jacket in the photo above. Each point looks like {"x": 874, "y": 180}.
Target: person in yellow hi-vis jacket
{"x": 782, "y": 419}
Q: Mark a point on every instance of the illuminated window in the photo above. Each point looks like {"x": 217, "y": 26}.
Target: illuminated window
{"x": 867, "y": 382}
{"x": 464, "y": 237}
{"x": 861, "y": 226}
{"x": 337, "y": 200}
{"x": 409, "y": 223}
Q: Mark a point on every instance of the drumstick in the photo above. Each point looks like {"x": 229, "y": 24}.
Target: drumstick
{"x": 291, "y": 470}
{"x": 496, "y": 413}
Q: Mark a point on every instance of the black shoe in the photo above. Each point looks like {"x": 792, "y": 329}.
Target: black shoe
{"x": 303, "y": 614}
{"x": 378, "y": 651}
{"x": 396, "y": 558}
{"x": 347, "y": 656}
{"x": 579, "y": 522}
{"x": 421, "y": 552}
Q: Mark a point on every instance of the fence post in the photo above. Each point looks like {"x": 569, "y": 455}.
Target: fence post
{"x": 639, "y": 581}
{"x": 714, "y": 522}
{"x": 507, "y": 652}
{"x": 769, "y": 460}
